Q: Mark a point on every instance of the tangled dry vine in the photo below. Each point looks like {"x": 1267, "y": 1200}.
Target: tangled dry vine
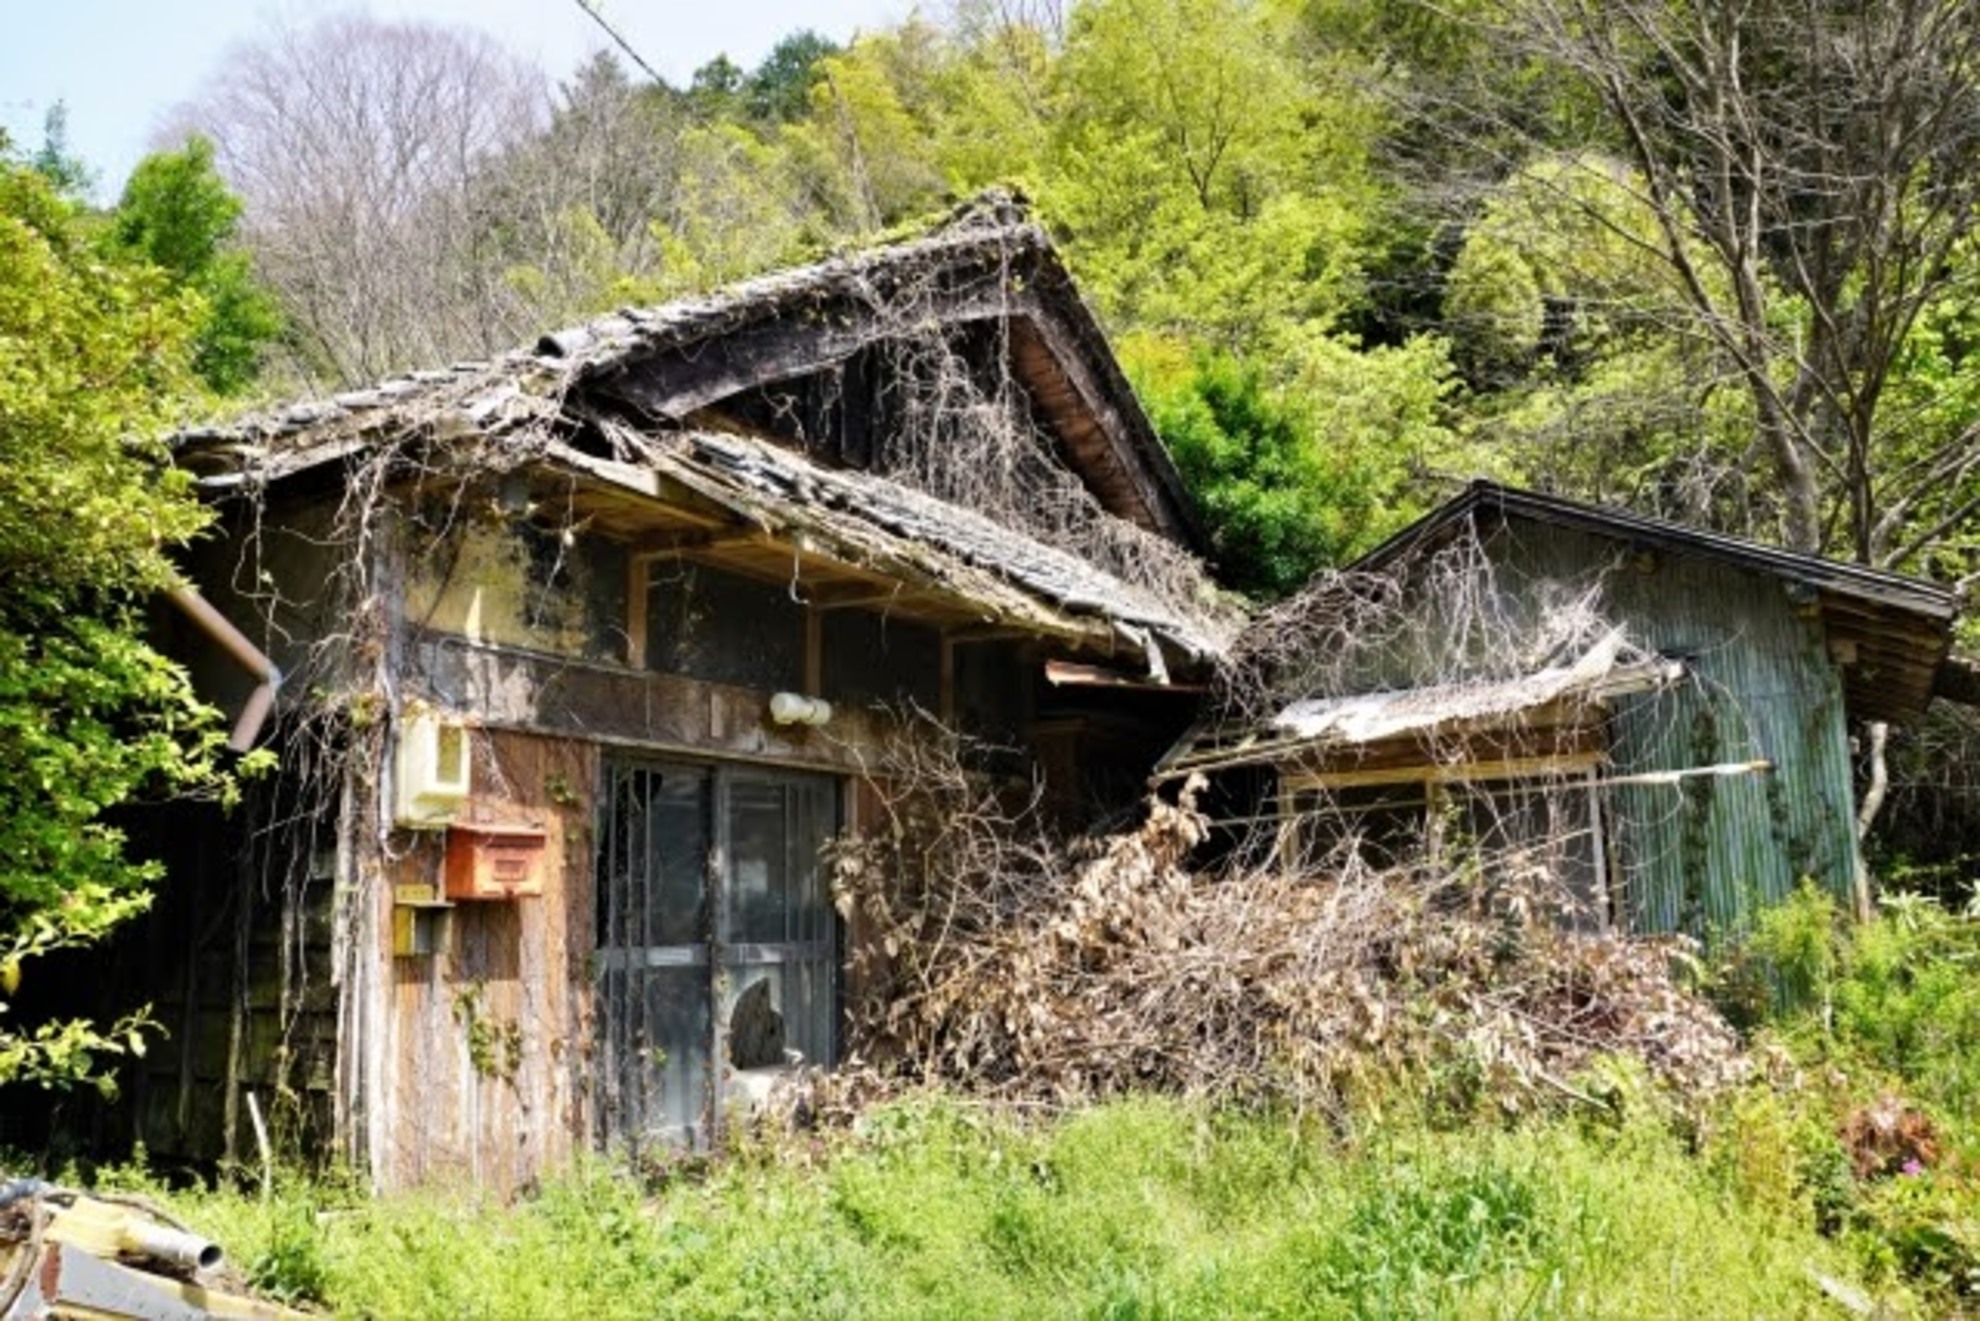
{"x": 992, "y": 958}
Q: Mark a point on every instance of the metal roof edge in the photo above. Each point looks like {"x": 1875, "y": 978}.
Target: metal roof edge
{"x": 1883, "y": 586}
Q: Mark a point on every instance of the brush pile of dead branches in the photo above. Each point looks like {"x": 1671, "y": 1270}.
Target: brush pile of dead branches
{"x": 986, "y": 957}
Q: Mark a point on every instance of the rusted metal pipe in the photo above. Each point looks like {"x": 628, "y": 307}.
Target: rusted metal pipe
{"x": 247, "y": 728}
{"x": 174, "y": 1247}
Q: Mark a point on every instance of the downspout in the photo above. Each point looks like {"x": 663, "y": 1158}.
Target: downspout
{"x": 250, "y": 657}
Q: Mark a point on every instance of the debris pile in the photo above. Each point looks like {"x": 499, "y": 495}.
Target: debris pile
{"x": 984, "y": 957}
{"x": 1890, "y": 1137}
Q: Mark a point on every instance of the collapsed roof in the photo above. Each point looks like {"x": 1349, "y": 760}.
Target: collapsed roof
{"x": 1560, "y": 697}
{"x": 1599, "y": 673}
{"x": 1889, "y": 633}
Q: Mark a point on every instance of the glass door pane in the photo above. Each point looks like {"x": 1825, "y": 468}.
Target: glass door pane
{"x": 654, "y": 1003}
{"x": 781, "y": 947}
{"x": 700, "y": 926}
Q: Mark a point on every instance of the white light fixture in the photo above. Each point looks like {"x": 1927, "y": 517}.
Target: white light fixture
{"x": 797, "y": 709}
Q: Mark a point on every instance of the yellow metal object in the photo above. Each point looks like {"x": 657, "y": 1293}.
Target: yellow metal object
{"x": 417, "y": 914}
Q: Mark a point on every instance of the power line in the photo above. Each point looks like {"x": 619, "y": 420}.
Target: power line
{"x": 592, "y": 11}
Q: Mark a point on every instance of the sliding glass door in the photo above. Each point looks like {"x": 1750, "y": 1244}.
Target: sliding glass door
{"x": 717, "y": 946}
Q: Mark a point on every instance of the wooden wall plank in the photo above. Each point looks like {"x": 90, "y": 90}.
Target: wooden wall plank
{"x": 490, "y": 1032}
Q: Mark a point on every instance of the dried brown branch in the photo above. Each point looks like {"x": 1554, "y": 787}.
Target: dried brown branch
{"x": 989, "y": 957}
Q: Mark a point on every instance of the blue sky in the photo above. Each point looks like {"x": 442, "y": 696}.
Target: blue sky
{"x": 121, "y": 65}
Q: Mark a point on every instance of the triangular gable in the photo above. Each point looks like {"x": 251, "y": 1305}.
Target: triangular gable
{"x": 1890, "y": 632}
{"x": 989, "y": 267}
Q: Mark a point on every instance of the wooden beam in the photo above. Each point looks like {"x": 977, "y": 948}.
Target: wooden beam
{"x": 1060, "y": 673}
{"x": 867, "y": 600}
{"x": 691, "y": 541}
{"x": 990, "y": 633}
{"x": 1517, "y": 768}
{"x": 1161, "y": 511}
{"x": 786, "y": 344}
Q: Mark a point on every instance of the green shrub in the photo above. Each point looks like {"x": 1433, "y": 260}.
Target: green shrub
{"x": 1419, "y": 1235}
{"x": 1786, "y": 965}
{"x": 1908, "y": 1000}
{"x": 1896, "y": 998}
{"x": 290, "y": 1265}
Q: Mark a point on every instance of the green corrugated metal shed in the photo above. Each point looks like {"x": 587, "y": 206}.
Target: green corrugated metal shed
{"x": 1780, "y": 652}
{"x": 1701, "y": 853}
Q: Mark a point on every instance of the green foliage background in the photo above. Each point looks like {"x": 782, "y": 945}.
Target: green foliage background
{"x": 96, "y": 355}
{"x": 1351, "y": 253}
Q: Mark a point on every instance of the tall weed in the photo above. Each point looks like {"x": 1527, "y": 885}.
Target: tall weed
{"x": 1138, "y": 1208}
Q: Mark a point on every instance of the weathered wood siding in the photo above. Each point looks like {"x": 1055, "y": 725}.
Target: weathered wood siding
{"x": 476, "y": 1062}
{"x": 448, "y": 1100}
{"x": 479, "y": 1073}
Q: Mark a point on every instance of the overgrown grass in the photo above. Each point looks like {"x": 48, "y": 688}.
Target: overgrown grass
{"x": 1135, "y": 1209}
{"x": 1898, "y": 996}
{"x": 1732, "y": 1205}
{"x": 1876, "y": 1124}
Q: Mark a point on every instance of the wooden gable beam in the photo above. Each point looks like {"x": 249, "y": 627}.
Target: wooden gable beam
{"x": 689, "y": 541}
{"x": 678, "y": 381}
{"x": 1126, "y": 484}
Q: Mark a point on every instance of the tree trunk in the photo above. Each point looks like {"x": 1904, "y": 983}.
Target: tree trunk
{"x": 1873, "y": 801}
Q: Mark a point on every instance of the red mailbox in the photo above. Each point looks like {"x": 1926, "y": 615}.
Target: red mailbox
{"x": 486, "y": 861}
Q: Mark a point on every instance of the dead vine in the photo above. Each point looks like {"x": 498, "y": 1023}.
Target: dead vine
{"x": 989, "y": 957}
{"x": 323, "y": 592}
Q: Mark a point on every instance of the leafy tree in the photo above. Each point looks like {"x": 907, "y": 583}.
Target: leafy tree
{"x": 715, "y": 89}
{"x": 866, "y": 150}
{"x": 1928, "y": 417}
{"x": 91, "y": 354}
{"x": 779, "y": 89}
{"x": 179, "y": 216}
{"x": 574, "y": 216}
{"x": 993, "y": 104}
{"x": 1573, "y": 333}
{"x": 1206, "y": 166}
{"x": 1561, "y": 259}
{"x": 1459, "y": 112}
{"x": 740, "y": 209}
{"x": 1294, "y": 479}
{"x": 1212, "y": 180}
{"x": 68, "y": 174}
{"x": 1810, "y": 167}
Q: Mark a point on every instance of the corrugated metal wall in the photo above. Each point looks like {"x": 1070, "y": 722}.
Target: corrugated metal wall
{"x": 1702, "y": 855}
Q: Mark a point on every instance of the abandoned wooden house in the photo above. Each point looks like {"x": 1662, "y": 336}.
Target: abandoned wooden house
{"x": 580, "y": 651}
{"x": 1658, "y": 719}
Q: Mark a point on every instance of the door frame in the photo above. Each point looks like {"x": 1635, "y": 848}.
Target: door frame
{"x": 713, "y": 950}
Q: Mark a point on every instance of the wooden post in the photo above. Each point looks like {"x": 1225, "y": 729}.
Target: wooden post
{"x": 946, "y": 699}
{"x": 1605, "y": 908}
{"x": 237, "y": 998}
{"x": 814, "y": 650}
{"x": 189, "y": 1008}
{"x": 721, "y": 991}
{"x": 638, "y": 587}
